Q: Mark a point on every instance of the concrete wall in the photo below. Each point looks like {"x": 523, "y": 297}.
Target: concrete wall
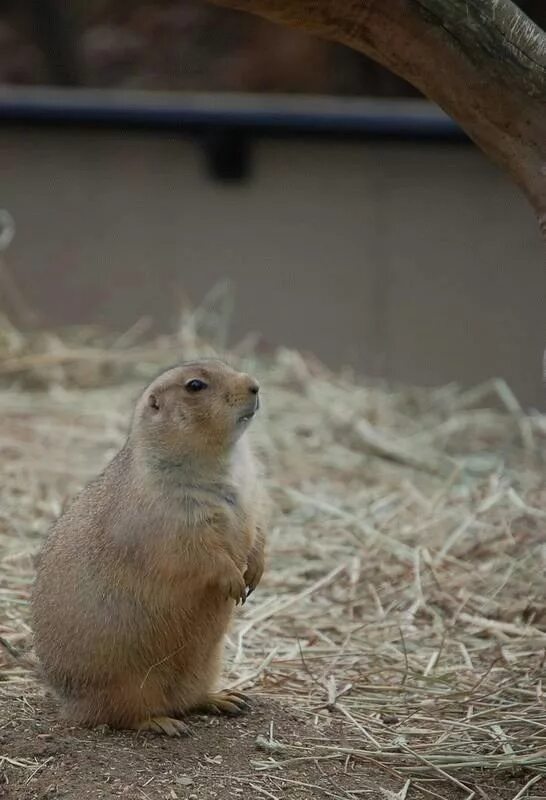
{"x": 418, "y": 262}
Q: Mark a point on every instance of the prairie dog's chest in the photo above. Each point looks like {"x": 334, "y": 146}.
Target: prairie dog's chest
{"x": 194, "y": 536}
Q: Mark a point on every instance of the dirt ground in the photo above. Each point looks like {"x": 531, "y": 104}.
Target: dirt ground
{"x": 397, "y": 639}
{"x": 44, "y": 758}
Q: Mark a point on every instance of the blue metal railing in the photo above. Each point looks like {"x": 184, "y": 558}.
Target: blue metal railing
{"x": 267, "y": 113}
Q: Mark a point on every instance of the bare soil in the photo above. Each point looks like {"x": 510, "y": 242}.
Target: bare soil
{"x": 48, "y": 759}
{"x": 397, "y": 640}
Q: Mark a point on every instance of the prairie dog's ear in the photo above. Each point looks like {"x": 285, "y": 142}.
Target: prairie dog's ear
{"x": 153, "y": 402}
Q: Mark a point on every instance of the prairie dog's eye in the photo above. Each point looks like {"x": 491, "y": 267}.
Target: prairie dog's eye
{"x": 195, "y": 385}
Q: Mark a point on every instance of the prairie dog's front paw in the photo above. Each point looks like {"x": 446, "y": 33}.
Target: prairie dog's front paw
{"x": 234, "y": 586}
{"x": 253, "y": 573}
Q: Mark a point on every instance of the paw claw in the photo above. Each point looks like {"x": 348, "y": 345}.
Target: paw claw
{"x": 230, "y": 703}
{"x": 236, "y": 588}
{"x": 253, "y": 575}
{"x": 167, "y": 726}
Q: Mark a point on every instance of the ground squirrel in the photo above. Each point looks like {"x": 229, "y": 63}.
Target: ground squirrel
{"x": 137, "y": 580}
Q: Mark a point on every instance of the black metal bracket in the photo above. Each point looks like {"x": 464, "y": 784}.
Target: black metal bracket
{"x": 227, "y": 154}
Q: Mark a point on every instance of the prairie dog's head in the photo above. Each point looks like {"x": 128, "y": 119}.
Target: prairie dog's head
{"x": 197, "y": 410}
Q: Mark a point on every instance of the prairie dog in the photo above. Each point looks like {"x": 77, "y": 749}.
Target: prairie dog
{"x": 138, "y": 579}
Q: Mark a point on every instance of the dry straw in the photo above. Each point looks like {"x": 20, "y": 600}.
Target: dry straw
{"x": 403, "y": 608}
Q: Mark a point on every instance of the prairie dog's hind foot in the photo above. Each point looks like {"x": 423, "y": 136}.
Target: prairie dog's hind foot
{"x": 227, "y": 702}
{"x": 168, "y": 726}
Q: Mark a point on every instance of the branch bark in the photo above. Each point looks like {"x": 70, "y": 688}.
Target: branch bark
{"x": 482, "y": 61}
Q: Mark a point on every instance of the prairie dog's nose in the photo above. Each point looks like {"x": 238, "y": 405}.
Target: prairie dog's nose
{"x": 254, "y": 386}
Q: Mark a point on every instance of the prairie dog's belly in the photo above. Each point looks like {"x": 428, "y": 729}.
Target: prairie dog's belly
{"x": 134, "y": 643}
{"x": 190, "y": 633}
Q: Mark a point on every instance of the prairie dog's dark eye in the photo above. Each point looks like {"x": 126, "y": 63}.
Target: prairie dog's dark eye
{"x": 195, "y": 385}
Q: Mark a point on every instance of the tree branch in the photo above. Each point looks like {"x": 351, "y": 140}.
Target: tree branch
{"x": 482, "y": 61}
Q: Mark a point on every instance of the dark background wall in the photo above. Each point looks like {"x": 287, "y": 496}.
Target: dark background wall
{"x": 417, "y": 262}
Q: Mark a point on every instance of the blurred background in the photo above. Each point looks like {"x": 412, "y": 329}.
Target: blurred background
{"x": 151, "y": 153}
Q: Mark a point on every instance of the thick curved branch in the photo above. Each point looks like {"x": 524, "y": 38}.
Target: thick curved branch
{"x": 482, "y": 61}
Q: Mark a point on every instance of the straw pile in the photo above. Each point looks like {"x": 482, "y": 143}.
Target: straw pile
{"x": 405, "y": 590}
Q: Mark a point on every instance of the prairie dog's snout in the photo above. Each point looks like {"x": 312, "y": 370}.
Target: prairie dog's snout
{"x": 249, "y": 388}
{"x": 247, "y": 397}
{"x": 253, "y": 386}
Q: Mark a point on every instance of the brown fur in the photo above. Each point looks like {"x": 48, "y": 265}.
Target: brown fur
{"x": 138, "y": 579}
